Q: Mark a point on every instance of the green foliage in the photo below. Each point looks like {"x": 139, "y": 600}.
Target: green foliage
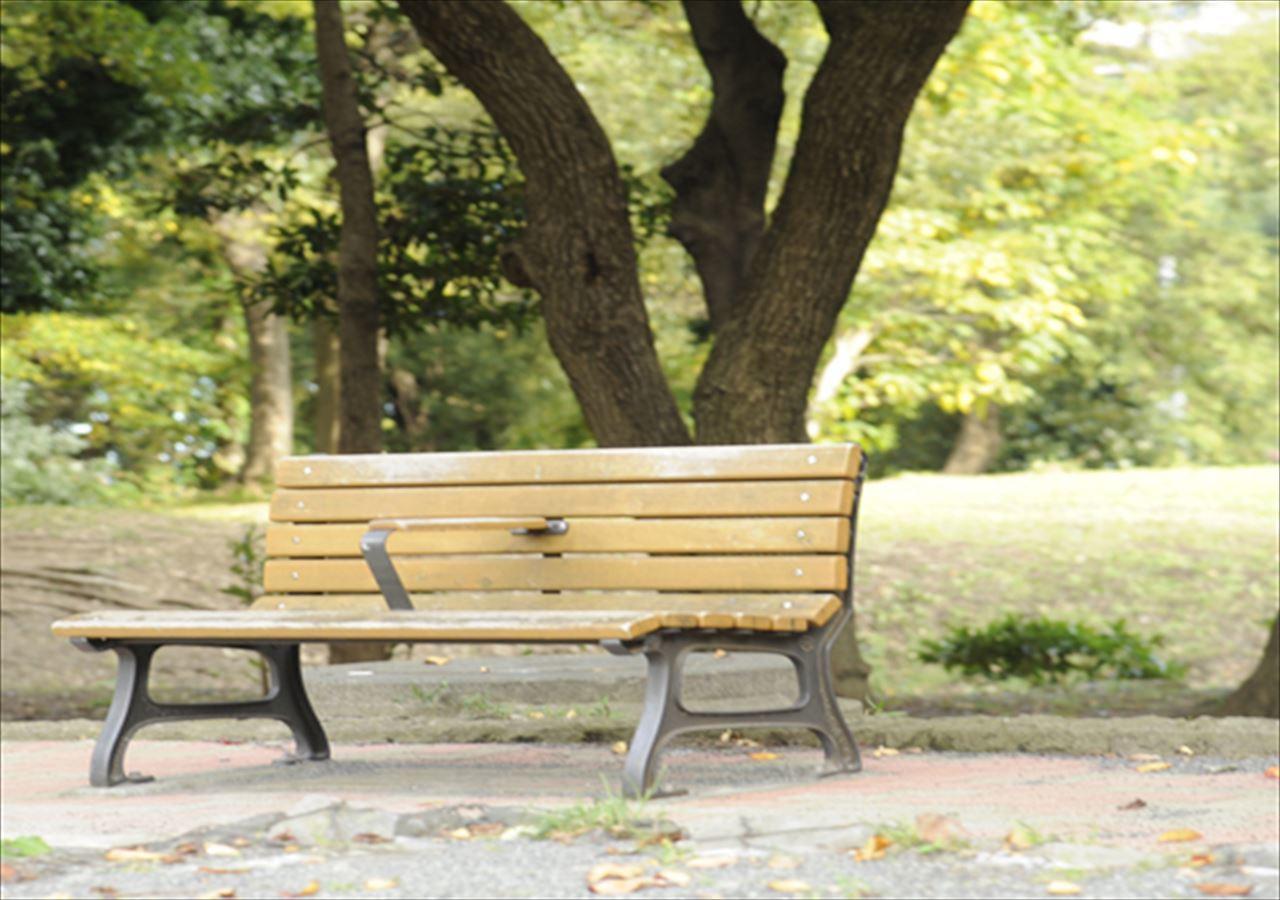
{"x": 23, "y": 846}
{"x": 40, "y": 464}
{"x": 1048, "y": 650}
{"x": 156, "y": 408}
{"x": 247, "y": 557}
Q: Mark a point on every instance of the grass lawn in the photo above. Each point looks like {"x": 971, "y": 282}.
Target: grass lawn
{"x": 1187, "y": 553}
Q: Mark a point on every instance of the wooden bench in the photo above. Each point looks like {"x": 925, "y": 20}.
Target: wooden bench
{"x": 661, "y": 551}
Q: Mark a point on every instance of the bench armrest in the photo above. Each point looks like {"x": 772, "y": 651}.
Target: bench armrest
{"x": 373, "y": 544}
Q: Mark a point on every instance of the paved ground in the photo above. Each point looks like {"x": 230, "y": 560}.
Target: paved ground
{"x": 454, "y": 820}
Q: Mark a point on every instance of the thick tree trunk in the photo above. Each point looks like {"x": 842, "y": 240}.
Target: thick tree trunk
{"x": 271, "y": 381}
{"x": 578, "y": 250}
{"x": 722, "y": 180}
{"x": 977, "y": 445}
{"x": 328, "y": 377}
{"x": 755, "y": 384}
{"x": 358, "y": 319}
{"x": 1260, "y": 693}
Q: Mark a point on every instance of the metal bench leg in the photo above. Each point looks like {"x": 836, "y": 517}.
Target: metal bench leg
{"x": 132, "y": 707}
{"x": 664, "y": 715}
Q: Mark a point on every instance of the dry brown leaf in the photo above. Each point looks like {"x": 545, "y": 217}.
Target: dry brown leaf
{"x": 1224, "y": 889}
{"x": 436, "y": 661}
{"x": 1186, "y": 751}
{"x": 1178, "y": 835}
{"x": 131, "y": 854}
{"x": 1199, "y": 860}
{"x": 606, "y": 870}
{"x": 726, "y": 736}
{"x": 874, "y": 848}
{"x": 186, "y": 848}
{"x": 284, "y": 837}
{"x": 370, "y": 837}
{"x": 745, "y": 742}
{"x": 1062, "y": 888}
{"x": 484, "y": 668}
{"x": 571, "y": 714}
{"x": 312, "y": 887}
{"x": 381, "y": 884}
{"x": 1154, "y": 767}
{"x": 674, "y": 878}
{"x": 215, "y": 870}
{"x": 1273, "y": 772}
{"x": 619, "y": 748}
{"x": 720, "y": 654}
{"x": 613, "y": 886}
{"x": 214, "y": 849}
{"x": 105, "y": 890}
{"x": 670, "y": 836}
{"x": 719, "y": 861}
{"x": 240, "y": 842}
{"x": 763, "y": 756}
{"x": 1144, "y": 757}
{"x": 219, "y": 894}
{"x": 291, "y": 848}
{"x": 1019, "y": 838}
{"x": 461, "y": 834}
{"x": 884, "y": 751}
{"x": 779, "y": 861}
{"x": 790, "y": 886}
{"x": 939, "y": 830}
{"x": 487, "y": 829}
{"x": 1135, "y": 803}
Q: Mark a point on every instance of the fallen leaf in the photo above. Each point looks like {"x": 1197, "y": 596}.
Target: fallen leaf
{"x": 484, "y": 668}
{"x": 7, "y": 873}
{"x": 1144, "y": 757}
{"x": 1199, "y": 860}
{"x": 674, "y": 878}
{"x": 461, "y": 834}
{"x": 790, "y": 886}
{"x": 571, "y": 714}
{"x": 537, "y": 714}
{"x": 370, "y": 837}
{"x": 1154, "y": 767}
{"x": 619, "y": 748}
{"x": 219, "y": 894}
{"x": 778, "y": 861}
{"x": 1273, "y": 772}
{"x": 1224, "y": 889}
{"x": 213, "y": 849}
{"x": 381, "y": 884}
{"x": 131, "y": 854}
{"x": 613, "y": 886}
{"x": 884, "y": 751}
{"x": 1019, "y": 838}
{"x": 912, "y": 749}
{"x": 1136, "y": 803}
{"x": 605, "y": 870}
{"x": 939, "y": 830}
{"x": 241, "y": 842}
{"x": 214, "y": 870}
{"x": 312, "y": 887}
{"x": 726, "y": 736}
{"x": 719, "y": 861}
{"x": 670, "y": 836}
{"x": 745, "y": 742}
{"x": 487, "y": 829}
{"x": 186, "y": 848}
{"x": 1186, "y": 751}
{"x": 720, "y": 654}
{"x": 873, "y": 849}
{"x": 291, "y": 848}
{"x": 1062, "y": 888}
{"x": 436, "y": 661}
{"x": 1178, "y": 835}
{"x": 105, "y": 890}
{"x": 764, "y": 756}
{"x": 284, "y": 837}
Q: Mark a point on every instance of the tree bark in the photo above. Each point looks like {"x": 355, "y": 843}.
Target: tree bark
{"x": 978, "y": 443}
{"x": 328, "y": 376}
{"x": 1260, "y": 693}
{"x": 271, "y": 380}
{"x": 721, "y": 181}
{"x": 358, "y": 318}
{"x": 577, "y": 251}
{"x": 754, "y": 386}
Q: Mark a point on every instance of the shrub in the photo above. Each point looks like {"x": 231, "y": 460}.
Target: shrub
{"x": 1049, "y": 650}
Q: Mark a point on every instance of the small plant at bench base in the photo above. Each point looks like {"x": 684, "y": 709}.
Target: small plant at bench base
{"x": 1044, "y": 650}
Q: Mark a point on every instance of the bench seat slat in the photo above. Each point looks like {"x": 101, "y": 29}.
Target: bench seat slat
{"x": 686, "y": 499}
{"x": 759, "y": 612}
{"x": 595, "y": 535}
{"x": 673, "y": 573}
{"x": 328, "y": 625}
{"x": 609, "y": 466}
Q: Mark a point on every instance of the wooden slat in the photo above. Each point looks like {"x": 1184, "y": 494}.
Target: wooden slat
{"x": 464, "y": 523}
{"x": 673, "y": 573}
{"x": 712, "y": 536}
{"x": 742, "y": 498}
{"x": 751, "y": 463}
{"x": 764, "y": 612}
{"x": 533, "y": 625}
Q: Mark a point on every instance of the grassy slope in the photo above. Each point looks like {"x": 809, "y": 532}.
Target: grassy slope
{"x": 1189, "y": 553}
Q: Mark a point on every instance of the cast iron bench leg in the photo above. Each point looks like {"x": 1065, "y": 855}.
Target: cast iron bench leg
{"x": 132, "y": 706}
{"x": 665, "y": 716}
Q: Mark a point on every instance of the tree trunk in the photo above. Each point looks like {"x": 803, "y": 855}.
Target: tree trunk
{"x": 328, "y": 376}
{"x": 358, "y": 320}
{"x": 755, "y": 384}
{"x": 360, "y": 384}
{"x": 1260, "y": 693}
{"x": 844, "y": 361}
{"x": 978, "y": 443}
{"x": 271, "y": 382}
{"x": 577, "y": 250}
{"x": 722, "y": 180}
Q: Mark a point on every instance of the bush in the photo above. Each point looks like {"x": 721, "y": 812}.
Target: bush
{"x": 1049, "y": 650}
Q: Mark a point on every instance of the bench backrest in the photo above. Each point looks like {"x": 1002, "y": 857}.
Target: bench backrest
{"x": 689, "y": 519}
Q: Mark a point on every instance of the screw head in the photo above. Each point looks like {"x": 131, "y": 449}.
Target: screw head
{"x": 295, "y": 575}
{"x": 812, "y": 459}
{"x": 801, "y": 534}
{"x": 301, "y": 505}
{"x": 297, "y": 540}
{"x": 306, "y": 470}
{"x": 799, "y": 572}
{"x": 804, "y": 498}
